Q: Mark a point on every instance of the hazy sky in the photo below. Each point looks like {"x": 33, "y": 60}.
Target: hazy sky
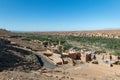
{"x": 59, "y": 15}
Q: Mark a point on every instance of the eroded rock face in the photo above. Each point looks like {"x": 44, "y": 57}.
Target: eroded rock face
{"x": 4, "y": 42}
{"x": 14, "y": 59}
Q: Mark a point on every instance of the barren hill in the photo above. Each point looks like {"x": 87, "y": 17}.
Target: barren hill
{"x": 5, "y": 33}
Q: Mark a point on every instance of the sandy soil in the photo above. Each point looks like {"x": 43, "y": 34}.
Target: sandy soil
{"x": 101, "y": 71}
{"x": 87, "y": 71}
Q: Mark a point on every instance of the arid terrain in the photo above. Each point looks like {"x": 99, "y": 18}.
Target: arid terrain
{"x": 31, "y": 59}
{"x": 101, "y": 33}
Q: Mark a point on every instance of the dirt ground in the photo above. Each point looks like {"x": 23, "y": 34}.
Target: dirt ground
{"x": 87, "y": 71}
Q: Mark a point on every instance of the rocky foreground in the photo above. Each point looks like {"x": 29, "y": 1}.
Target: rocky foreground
{"x": 79, "y": 72}
{"x": 19, "y": 60}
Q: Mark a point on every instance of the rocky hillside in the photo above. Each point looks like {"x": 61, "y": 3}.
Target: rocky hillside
{"x": 17, "y": 60}
{"x": 12, "y": 58}
{"x": 4, "y": 32}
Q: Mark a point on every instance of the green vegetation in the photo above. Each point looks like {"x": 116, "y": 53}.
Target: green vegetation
{"x": 117, "y": 52}
{"x": 110, "y": 43}
{"x": 60, "y": 49}
{"x": 67, "y": 46}
{"x": 53, "y": 39}
{"x": 107, "y": 43}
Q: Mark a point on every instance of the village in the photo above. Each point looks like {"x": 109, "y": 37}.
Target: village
{"x": 52, "y": 61}
{"x": 83, "y": 55}
{"x": 55, "y": 52}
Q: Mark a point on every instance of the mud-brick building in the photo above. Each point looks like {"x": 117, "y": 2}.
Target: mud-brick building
{"x": 86, "y": 57}
{"x": 75, "y": 56}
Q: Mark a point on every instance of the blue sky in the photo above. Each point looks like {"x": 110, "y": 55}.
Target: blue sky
{"x": 59, "y": 15}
